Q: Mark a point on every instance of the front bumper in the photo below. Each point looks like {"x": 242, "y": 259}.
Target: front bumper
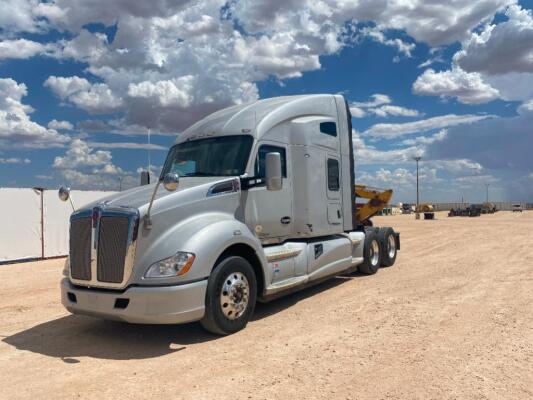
{"x": 139, "y": 305}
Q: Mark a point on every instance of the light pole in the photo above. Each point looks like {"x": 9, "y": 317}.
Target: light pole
{"x": 417, "y": 159}
{"x": 487, "y": 185}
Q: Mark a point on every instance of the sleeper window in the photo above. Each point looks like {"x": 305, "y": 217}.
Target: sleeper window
{"x": 329, "y": 128}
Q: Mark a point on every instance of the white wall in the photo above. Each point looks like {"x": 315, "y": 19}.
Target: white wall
{"x": 20, "y": 226}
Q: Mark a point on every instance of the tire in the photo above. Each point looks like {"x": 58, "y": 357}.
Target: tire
{"x": 226, "y": 291}
{"x": 389, "y": 246}
{"x": 371, "y": 262}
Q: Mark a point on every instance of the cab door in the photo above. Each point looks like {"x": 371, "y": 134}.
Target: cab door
{"x": 269, "y": 213}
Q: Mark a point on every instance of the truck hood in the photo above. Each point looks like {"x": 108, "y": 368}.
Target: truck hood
{"x": 139, "y": 197}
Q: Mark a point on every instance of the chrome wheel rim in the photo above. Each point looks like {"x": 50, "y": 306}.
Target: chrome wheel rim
{"x": 392, "y": 246}
{"x": 374, "y": 252}
{"x": 234, "y": 295}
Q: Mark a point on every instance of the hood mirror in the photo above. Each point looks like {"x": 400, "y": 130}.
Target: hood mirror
{"x": 63, "y": 193}
{"x": 274, "y": 179}
{"x": 171, "y": 181}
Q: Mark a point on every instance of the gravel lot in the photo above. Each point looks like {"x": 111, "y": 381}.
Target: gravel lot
{"x": 453, "y": 319}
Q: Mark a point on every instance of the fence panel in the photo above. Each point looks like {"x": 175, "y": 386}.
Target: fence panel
{"x": 20, "y": 227}
{"x": 21, "y": 236}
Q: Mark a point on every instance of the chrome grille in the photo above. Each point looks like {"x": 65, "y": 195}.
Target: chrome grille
{"x": 80, "y": 249}
{"x": 112, "y": 248}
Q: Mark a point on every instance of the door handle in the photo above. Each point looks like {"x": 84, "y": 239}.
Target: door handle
{"x": 285, "y": 220}
{"x": 339, "y": 214}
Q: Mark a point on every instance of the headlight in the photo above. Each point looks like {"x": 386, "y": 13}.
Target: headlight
{"x": 178, "y": 264}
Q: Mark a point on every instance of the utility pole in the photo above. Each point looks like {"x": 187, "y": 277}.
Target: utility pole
{"x": 120, "y": 183}
{"x": 487, "y": 185}
{"x": 417, "y": 159}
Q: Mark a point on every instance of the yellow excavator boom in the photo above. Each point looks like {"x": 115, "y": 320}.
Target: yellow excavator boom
{"x": 378, "y": 200}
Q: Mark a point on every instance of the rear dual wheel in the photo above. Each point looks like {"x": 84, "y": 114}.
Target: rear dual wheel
{"x": 371, "y": 253}
{"x": 379, "y": 250}
{"x": 389, "y": 248}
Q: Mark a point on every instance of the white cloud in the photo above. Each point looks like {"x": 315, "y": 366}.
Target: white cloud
{"x": 83, "y": 167}
{"x": 378, "y": 99}
{"x": 396, "y": 111}
{"x": 94, "y": 98}
{"x": 468, "y": 87}
{"x": 380, "y": 105}
{"x": 19, "y": 16}
{"x": 15, "y": 160}
{"x": 67, "y": 86}
{"x": 175, "y": 92}
{"x": 437, "y": 137}
{"x": 16, "y": 127}
{"x": 424, "y": 21}
{"x": 20, "y": 49}
{"x": 501, "y": 48}
{"x": 357, "y": 112}
{"x": 526, "y": 107}
{"x": 477, "y": 179}
{"x": 127, "y": 145}
{"x": 97, "y": 180}
{"x": 367, "y": 155}
{"x": 513, "y": 86}
{"x": 377, "y": 34}
{"x": 280, "y": 55}
{"x": 390, "y": 131}
{"x": 197, "y": 59}
{"x": 80, "y": 154}
{"x": 458, "y": 166}
{"x": 55, "y": 124}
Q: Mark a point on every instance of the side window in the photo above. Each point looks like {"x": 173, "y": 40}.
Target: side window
{"x": 333, "y": 175}
{"x": 329, "y": 128}
{"x": 260, "y": 160}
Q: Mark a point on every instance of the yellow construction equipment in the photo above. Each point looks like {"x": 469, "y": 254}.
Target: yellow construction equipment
{"x": 378, "y": 200}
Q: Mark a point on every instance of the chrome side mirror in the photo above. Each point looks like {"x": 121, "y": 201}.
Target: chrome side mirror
{"x": 63, "y": 193}
{"x": 274, "y": 179}
{"x": 171, "y": 181}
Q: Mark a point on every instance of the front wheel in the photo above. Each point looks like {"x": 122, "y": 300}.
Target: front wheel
{"x": 231, "y": 296}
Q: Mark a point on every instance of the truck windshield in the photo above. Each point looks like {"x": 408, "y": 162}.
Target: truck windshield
{"x": 216, "y": 156}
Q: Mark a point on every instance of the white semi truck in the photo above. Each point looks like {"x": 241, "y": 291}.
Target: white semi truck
{"x": 254, "y": 201}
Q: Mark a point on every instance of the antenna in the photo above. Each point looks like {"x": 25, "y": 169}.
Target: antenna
{"x": 149, "y": 160}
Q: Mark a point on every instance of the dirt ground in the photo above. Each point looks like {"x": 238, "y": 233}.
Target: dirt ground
{"x": 453, "y": 319}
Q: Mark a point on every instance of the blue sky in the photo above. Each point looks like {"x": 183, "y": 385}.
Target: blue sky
{"x": 82, "y": 84}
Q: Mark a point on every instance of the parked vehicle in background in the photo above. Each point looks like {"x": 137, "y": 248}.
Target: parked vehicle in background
{"x": 253, "y": 202}
{"x": 473, "y": 210}
{"x": 407, "y": 208}
{"x": 488, "y": 208}
{"x": 518, "y": 207}
{"x": 427, "y": 209}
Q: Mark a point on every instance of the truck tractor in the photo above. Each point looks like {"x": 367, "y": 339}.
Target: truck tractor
{"x": 253, "y": 202}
